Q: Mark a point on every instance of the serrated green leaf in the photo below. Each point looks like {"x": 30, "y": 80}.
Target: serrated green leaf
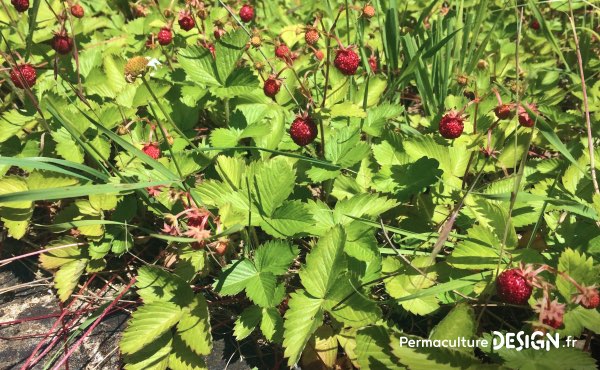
{"x": 290, "y": 219}
{"x": 577, "y": 266}
{"x": 347, "y": 303}
{"x": 56, "y": 258}
{"x": 407, "y": 281}
{"x": 67, "y": 277}
{"x": 272, "y": 183}
{"x": 182, "y": 358}
{"x": 15, "y": 214}
{"x": 198, "y": 64}
{"x": 194, "y": 326}
{"x": 373, "y": 349}
{"x": 302, "y": 319}
{"x": 479, "y": 251}
{"x": 235, "y": 277}
{"x": 347, "y": 109}
{"x": 148, "y": 323}
{"x": 324, "y": 264}
{"x": 154, "y": 356}
{"x": 556, "y": 358}
{"x": 229, "y": 49}
{"x": 275, "y": 256}
{"x": 247, "y": 322}
{"x": 459, "y": 323}
{"x": 271, "y": 324}
{"x": 157, "y": 285}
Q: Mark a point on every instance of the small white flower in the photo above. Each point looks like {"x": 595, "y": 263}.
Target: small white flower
{"x": 154, "y": 63}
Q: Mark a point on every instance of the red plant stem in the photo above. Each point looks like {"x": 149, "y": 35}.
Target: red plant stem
{"x": 53, "y": 329}
{"x": 93, "y": 326}
{"x": 42, "y": 317}
{"x": 74, "y": 320}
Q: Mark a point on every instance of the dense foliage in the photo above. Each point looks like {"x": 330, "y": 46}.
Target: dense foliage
{"x": 325, "y": 176}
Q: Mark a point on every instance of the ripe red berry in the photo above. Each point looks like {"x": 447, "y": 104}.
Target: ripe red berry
{"x": 319, "y": 55}
{"x": 272, "y": 86}
{"x": 165, "y": 36}
{"x": 368, "y": 11}
{"x": 452, "y": 125}
{"x": 346, "y": 61}
{"x": 20, "y": 5}
{"x": 186, "y": 21}
{"x": 524, "y": 118}
{"x": 373, "y": 63}
{"x": 23, "y": 75}
{"x": 247, "y": 13}
{"x": 77, "y": 11}
{"x": 303, "y": 130}
{"x": 593, "y": 301}
{"x": 553, "y": 322}
{"x": 504, "y": 111}
{"x": 513, "y": 287}
{"x": 282, "y": 51}
{"x": 311, "y": 36}
{"x": 589, "y": 298}
{"x": 62, "y": 43}
{"x": 535, "y": 25}
{"x": 152, "y": 150}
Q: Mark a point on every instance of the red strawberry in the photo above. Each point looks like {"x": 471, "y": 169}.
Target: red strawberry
{"x": 77, "y": 11}
{"x": 452, "y": 125}
{"x": 247, "y": 13}
{"x": 303, "y": 130}
{"x": 593, "y": 301}
{"x": 551, "y": 313}
{"x": 588, "y": 298}
{"x": 23, "y": 75}
{"x": 524, "y": 119}
{"x": 555, "y": 322}
{"x": 62, "y": 43}
{"x": 346, "y": 61}
{"x": 186, "y": 21}
{"x": 20, "y": 5}
{"x": 535, "y": 25}
{"x": 513, "y": 287}
{"x": 282, "y": 51}
{"x": 219, "y": 32}
{"x": 165, "y": 36}
{"x": 272, "y": 86}
{"x": 368, "y": 11}
{"x": 311, "y": 36}
{"x": 505, "y": 111}
{"x": 319, "y": 55}
{"x": 373, "y": 63}
{"x": 152, "y": 150}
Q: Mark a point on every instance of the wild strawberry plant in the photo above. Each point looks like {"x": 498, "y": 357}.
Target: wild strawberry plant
{"x": 319, "y": 179}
